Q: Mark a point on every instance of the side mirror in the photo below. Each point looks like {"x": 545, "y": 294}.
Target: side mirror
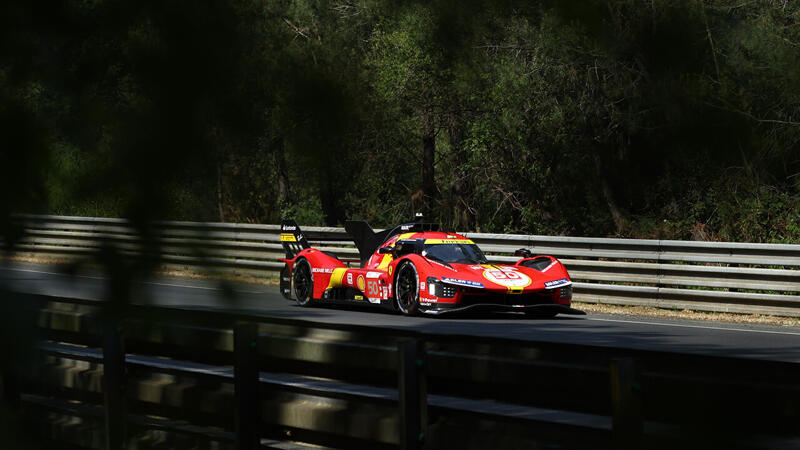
{"x": 385, "y": 250}
{"x": 523, "y": 253}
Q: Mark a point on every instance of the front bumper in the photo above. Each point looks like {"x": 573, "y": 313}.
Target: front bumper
{"x": 540, "y": 308}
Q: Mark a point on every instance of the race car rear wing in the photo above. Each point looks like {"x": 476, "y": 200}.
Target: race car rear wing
{"x": 294, "y": 240}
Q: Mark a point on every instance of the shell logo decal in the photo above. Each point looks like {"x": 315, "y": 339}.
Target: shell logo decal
{"x": 360, "y": 283}
{"x": 507, "y": 278}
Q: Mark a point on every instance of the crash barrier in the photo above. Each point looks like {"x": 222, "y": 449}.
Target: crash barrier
{"x": 164, "y": 377}
{"x": 705, "y": 276}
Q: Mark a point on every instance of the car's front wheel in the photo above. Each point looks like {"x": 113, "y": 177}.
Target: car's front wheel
{"x": 406, "y": 289}
{"x": 303, "y": 282}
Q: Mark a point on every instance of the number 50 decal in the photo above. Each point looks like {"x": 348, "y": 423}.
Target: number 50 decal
{"x": 373, "y": 289}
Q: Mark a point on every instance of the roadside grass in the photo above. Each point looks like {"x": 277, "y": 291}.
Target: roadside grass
{"x": 589, "y": 308}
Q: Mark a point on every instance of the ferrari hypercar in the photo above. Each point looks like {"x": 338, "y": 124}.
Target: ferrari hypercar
{"x": 415, "y": 268}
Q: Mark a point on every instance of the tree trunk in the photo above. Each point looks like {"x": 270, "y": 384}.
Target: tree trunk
{"x": 460, "y": 189}
{"x": 220, "y": 209}
{"x": 328, "y": 200}
{"x": 608, "y": 195}
{"x": 282, "y": 172}
{"x": 428, "y": 155}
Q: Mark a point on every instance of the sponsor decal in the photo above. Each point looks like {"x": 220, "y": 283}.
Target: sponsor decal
{"x": 319, "y": 270}
{"x": 360, "y": 282}
{"x": 421, "y": 285}
{"x": 350, "y": 279}
{"x": 406, "y": 227}
{"x": 557, "y": 283}
{"x": 506, "y": 277}
{"x": 390, "y": 288}
{"x": 358, "y": 297}
{"x": 373, "y": 274}
{"x": 467, "y": 283}
{"x": 288, "y": 237}
{"x": 390, "y": 270}
{"x": 385, "y": 292}
{"x": 374, "y": 300}
{"x": 288, "y": 228}
{"x": 448, "y": 241}
{"x": 476, "y": 267}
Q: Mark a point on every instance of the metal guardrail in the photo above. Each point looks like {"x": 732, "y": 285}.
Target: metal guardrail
{"x": 704, "y": 276}
{"x": 235, "y": 379}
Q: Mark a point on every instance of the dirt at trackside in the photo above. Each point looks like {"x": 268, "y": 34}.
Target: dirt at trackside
{"x": 685, "y": 314}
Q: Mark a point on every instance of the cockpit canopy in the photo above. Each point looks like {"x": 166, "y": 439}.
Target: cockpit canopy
{"x": 466, "y": 253}
{"x": 450, "y": 252}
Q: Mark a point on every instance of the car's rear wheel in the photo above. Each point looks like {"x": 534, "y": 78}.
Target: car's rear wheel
{"x": 303, "y": 282}
{"x": 406, "y": 289}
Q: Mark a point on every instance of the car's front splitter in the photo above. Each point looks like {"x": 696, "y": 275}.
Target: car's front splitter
{"x": 543, "y": 308}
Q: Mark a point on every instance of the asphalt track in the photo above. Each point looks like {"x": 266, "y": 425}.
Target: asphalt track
{"x": 694, "y": 337}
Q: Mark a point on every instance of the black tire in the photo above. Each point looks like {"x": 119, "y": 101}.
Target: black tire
{"x": 303, "y": 280}
{"x": 406, "y": 289}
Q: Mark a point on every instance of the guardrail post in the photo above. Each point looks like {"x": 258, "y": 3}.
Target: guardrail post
{"x": 413, "y": 394}
{"x": 248, "y": 400}
{"x": 626, "y": 402}
{"x": 114, "y": 383}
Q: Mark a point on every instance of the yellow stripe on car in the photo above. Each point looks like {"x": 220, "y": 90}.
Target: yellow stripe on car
{"x": 385, "y": 262}
{"x": 336, "y": 277}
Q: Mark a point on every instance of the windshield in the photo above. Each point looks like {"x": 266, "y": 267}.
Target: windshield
{"x": 455, "y": 253}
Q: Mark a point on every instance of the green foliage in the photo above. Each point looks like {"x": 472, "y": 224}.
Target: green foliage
{"x": 666, "y": 119}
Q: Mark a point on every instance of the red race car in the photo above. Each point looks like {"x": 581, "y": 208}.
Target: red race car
{"x": 414, "y": 268}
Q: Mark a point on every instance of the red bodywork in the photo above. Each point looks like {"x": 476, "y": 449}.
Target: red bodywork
{"x": 540, "y": 282}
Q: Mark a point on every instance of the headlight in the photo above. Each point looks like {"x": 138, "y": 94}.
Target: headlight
{"x": 432, "y": 282}
{"x": 438, "y": 289}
